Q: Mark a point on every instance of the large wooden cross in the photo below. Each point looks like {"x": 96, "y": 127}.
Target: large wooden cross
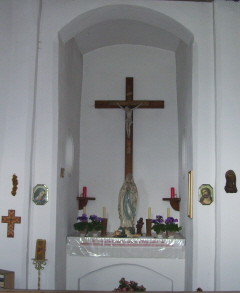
{"x": 129, "y": 105}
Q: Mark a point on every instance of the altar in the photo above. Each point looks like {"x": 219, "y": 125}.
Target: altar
{"x": 98, "y": 263}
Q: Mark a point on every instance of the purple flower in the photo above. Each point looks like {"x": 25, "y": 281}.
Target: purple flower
{"x": 83, "y": 218}
{"x": 93, "y": 217}
{"x": 158, "y": 220}
{"x": 171, "y": 220}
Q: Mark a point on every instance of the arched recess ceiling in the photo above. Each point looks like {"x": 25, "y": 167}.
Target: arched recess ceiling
{"x": 125, "y": 24}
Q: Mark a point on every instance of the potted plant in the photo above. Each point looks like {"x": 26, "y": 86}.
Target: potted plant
{"x": 158, "y": 226}
{"x": 82, "y": 224}
{"x": 171, "y": 226}
{"x": 95, "y": 225}
{"x": 129, "y": 286}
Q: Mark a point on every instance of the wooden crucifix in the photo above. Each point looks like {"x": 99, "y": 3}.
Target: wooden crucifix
{"x": 11, "y": 220}
{"x": 129, "y": 105}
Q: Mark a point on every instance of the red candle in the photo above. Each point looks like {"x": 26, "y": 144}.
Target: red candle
{"x": 84, "y": 191}
{"x": 172, "y": 192}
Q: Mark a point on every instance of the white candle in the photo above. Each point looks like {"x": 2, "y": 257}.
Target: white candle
{"x": 168, "y": 212}
{"x": 149, "y": 213}
{"x": 84, "y": 210}
{"x": 104, "y": 213}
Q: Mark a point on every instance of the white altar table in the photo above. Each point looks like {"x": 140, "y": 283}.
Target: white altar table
{"x": 98, "y": 263}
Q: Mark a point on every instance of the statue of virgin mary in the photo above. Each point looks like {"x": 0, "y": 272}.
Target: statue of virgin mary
{"x": 127, "y": 202}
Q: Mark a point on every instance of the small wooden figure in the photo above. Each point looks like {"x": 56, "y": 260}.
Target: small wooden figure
{"x": 15, "y": 184}
{"x": 139, "y": 226}
{"x": 230, "y": 186}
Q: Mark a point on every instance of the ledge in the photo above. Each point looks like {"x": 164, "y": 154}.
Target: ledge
{"x": 174, "y": 202}
{"x": 82, "y": 201}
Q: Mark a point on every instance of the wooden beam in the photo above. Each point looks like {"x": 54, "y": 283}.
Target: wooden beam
{"x": 144, "y": 104}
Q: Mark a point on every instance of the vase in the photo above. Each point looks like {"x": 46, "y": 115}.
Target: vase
{"x": 83, "y": 233}
{"x": 95, "y": 233}
{"x": 171, "y": 234}
{"x": 159, "y": 235}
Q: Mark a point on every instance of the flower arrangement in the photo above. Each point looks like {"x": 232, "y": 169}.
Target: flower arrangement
{"x": 96, "y": 223}
{"x": 129, "y": 286}
{"x": 158, "y": 224}
{"x": 171, "y": 225}
{"x": 84, "y": 224}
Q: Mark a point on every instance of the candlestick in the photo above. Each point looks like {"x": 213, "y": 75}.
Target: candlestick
{"x": 104, "y": 227}
{"x": 84, "y": 191}
{"x": 84, "y": 210}
{"x": 168, "y": 212}
{"x": 148, "y": 227}
{"x": 149, "y": 213}
{"x": 39, "y": 266}
{"x": 172, "y": 192}
{"x": 104, "y": 212}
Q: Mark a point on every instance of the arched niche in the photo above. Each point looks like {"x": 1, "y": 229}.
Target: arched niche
{"x": 129, "y": 24}
{"x": 102, "y": 23}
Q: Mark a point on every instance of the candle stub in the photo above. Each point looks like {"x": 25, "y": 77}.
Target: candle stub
{"x": 168, "y": 212}
{"x": 149, "y": 213}
{"x": 104, "y": 212}
{"x": 40, "y": 249}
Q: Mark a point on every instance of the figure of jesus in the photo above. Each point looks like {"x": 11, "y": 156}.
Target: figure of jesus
{"x": 128, "y": 119}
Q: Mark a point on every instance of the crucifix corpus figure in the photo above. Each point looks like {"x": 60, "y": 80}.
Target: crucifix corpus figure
{"x": 128, "y": 105}
{"x": 128, "y": 119}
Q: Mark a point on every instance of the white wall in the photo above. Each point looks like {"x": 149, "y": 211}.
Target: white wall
{"x": 102, "y": 133}
{"x": 18, "y": 51}
{"x": 19, "y": 31}
{"x": 70, "y": 82}
{"x": 184, "y": 93}
{"x": 227, "y": 26}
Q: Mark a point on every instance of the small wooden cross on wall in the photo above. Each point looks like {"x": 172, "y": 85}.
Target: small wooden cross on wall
{"x": 129, "y": 105}
{"x": 11, "y": 220}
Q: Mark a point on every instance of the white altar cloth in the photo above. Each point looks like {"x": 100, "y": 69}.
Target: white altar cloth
{"x": 142, "y": 247}
{"x": 98, "y": 263}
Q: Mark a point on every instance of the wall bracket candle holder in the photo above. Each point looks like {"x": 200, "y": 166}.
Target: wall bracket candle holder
{"x": 39, "y": 266}
{"x": 82, "y": 201}
{"x": 174, "y": 202}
